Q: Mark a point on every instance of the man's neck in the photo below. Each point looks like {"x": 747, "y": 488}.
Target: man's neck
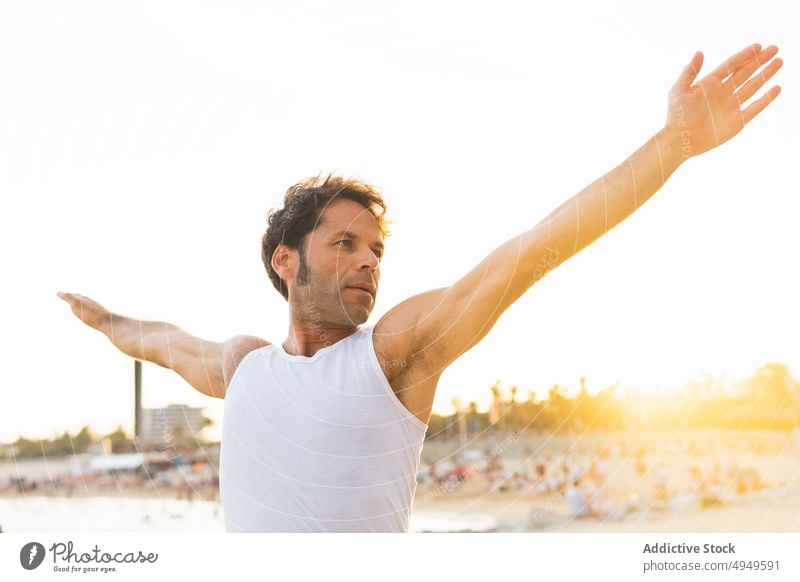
{"x": 305, "y": 339}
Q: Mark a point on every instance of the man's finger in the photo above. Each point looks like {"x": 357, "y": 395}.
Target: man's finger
{"x": 759, "y": 104}
{"x": 68, "y": 297}
{"x": 744, "y": 72}
{"x": 690, "y": 72}
{"x": 749, "y": 89}
{"x": 736, "y": 61}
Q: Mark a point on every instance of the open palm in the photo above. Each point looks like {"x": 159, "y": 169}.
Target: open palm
{"x": 708, "y": 113}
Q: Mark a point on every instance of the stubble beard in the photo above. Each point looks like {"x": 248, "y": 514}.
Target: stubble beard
{"x": 325, "y": 306}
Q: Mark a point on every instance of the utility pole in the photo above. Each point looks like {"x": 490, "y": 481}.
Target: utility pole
{"x": 137, "y": 403}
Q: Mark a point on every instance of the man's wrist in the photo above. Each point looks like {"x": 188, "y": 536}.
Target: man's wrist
{"x": 105, "y": 322}
{"x": 673, "y": 148}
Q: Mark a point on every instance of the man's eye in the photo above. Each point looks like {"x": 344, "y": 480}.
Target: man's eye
{"x": 343, "y": 241}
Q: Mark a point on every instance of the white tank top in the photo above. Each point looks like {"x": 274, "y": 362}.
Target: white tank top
{"x": 317, "y": 443}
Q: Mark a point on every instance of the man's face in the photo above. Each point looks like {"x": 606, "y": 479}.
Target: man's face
{"x": 341, "y": 254}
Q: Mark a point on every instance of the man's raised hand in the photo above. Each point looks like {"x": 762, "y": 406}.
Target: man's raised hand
{"x": 87, "y": 310}
{"x": 708, "y": 113}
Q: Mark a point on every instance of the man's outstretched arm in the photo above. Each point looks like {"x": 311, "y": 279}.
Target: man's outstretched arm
{"x": 208, "y": 366}
{"x": 435, "y": 328}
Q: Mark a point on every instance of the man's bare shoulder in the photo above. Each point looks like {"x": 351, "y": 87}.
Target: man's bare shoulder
{"x": 248, "y": 342}
{"x": 234, "y": 351}
{"x": 396, "y": 335}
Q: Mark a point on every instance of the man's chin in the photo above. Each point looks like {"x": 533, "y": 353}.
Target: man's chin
{"x": 358, "y": 314}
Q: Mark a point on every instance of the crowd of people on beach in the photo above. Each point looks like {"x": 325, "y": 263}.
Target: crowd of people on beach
{"x": 581, "y": 479}
{"x": 581, "y": 485}
{"x": 190, "y": 481}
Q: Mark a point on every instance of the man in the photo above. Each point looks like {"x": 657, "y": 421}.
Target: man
{"x": 323, "y": 431}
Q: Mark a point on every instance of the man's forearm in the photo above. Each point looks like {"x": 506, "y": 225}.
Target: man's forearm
{"x": 604, "y": 203}
{"x": 144, "y": 340}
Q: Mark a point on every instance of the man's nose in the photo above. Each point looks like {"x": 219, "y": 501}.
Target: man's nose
{"x": 369, "y": 260}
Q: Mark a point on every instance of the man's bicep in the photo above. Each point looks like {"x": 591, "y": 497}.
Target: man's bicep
{"x": 209, "y": 366}
{"x": 399, "y": 334}
{"x": 430, "y": 330}
{"x": 465, "y": 312}
{"x": 197, "y": 361}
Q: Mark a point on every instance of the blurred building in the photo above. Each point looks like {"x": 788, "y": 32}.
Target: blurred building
{"x": 173, "y": 425}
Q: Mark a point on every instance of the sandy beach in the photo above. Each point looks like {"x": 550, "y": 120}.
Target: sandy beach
{"x": 684, "y": 482}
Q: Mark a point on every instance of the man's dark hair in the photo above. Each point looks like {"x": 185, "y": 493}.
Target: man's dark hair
{"x": 302, "y": 210}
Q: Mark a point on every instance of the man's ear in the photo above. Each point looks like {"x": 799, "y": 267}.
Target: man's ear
{"x": 284, "y": 261}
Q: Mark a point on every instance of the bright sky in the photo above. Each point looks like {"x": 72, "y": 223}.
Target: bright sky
{"x": 143, "y": 143}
